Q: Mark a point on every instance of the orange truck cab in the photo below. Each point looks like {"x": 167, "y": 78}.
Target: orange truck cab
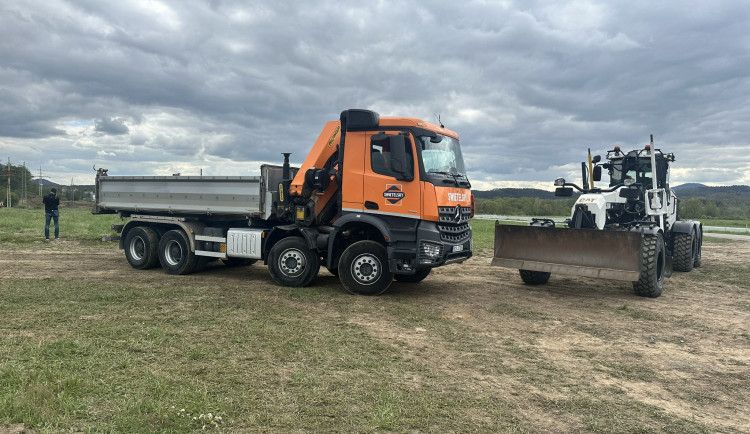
{"x": 382, "y": 197}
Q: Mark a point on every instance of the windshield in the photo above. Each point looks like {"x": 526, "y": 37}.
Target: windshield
{"x": 638, "y": 170}
{"x": 444, "y": 157}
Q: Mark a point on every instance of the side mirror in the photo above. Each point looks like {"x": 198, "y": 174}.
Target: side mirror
{"x": 399, "y": 158}
{"x": 597, "y": 173}
{"x": 564, "y": 192}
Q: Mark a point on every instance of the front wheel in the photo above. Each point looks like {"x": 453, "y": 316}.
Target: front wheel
{"x": 651, "y": 280}
{"x": 292, "y": 263}
{"x": 142, "y": 248}
{"x": 417, "y": 277}
{"x": 534, "y": 277}
{"x": 174, "y": 253}
{"x": 363, "y": 268}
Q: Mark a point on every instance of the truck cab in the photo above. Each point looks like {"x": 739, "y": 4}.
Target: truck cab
{"x": 403, "y": 186}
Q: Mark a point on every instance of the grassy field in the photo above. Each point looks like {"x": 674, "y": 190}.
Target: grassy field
{"x": 89, "y": 345}
{"x": 20, "y": 225}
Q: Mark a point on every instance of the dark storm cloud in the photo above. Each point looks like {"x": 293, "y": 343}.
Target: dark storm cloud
{"x": 111, "y": 126}
{"x": 528, "y": 85}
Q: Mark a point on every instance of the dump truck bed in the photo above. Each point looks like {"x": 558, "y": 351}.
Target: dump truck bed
{"x": 247, "y": 196}
{"x": 239, "y": 195}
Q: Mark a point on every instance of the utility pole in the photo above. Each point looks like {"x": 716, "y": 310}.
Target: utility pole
{"x": 24, "y": 192}
{"x": 9, "y": 198}
{"x": 40, "y": 181}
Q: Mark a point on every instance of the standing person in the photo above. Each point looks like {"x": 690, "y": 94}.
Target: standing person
{"x": 51, "y": 211}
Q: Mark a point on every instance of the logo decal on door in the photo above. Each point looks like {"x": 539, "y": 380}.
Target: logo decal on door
{"x": 393, "y": 194}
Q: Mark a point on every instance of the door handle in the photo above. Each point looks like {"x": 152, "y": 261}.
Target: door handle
{"x": 371, "y": 205}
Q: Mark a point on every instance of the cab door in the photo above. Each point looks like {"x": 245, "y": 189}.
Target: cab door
{"x": 389, "y": 189}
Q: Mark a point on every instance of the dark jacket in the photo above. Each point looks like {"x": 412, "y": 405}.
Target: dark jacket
{"x": 51, "y": 202}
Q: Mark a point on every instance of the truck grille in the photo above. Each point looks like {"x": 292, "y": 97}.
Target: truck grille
{"x": 454, "y": 233}
{"x": 454, "y": 223}
{"x": 454, "y": 214}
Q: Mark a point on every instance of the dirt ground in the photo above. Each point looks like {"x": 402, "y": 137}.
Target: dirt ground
{"x": 686, "y": 353}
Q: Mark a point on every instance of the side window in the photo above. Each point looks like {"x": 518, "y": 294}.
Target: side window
{"x": 380, "y": 155}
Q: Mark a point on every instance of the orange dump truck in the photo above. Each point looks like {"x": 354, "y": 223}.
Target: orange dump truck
{"x": 376, "y": 198}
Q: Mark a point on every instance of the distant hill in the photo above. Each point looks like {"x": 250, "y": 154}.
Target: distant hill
{"x": 700, "y": 190}
{"x": 514, "y": 193}
{"x": 45, "y": 183}
{"x": 688, "y": 186}
{"x": 684, "y": 191}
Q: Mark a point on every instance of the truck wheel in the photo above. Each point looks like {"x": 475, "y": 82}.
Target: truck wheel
{"x": 142, "y": 248}
{"x": 238, "y": 262}
{"x": 292, "y": 263}
{"x": 653, "y": 262}
{"x": 685, "y": 246}
{"x": 699, "y": 244}
{"x": 417, "y": 277}
{"x": 534, "y": 277}
{"x": 363, "y": 268}
{"x": 174, "y": 253}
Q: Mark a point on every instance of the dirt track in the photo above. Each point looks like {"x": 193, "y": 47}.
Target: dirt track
{"x": 686, "y": 353}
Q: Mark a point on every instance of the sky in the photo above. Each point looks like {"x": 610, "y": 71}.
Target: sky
{"x": 150, "y": 87}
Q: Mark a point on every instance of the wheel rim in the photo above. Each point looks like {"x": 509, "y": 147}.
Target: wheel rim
{"x": 137, "y": 248}
{"x": 173, "y": 252}
{"x": 366, "y": 269}
{"x": 292, "y": 262}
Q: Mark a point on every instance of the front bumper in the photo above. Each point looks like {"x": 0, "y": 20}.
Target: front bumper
{"x": 436, "y": 244}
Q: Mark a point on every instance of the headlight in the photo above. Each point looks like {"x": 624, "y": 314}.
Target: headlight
{"x": 559, "y": 182}
{"x": 429, "y": 252}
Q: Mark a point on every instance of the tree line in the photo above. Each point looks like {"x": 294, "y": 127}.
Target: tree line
{"x": 720, "y": 207}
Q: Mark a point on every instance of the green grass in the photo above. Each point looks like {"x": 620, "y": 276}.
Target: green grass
{"x": 727, "y": 223}
{"x": 156, "y": 353}
{"x": 21, "y": 225}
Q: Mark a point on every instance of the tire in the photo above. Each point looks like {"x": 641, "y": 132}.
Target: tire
{"x": 685, "y": 247}
{"x": 238, "y": 262}
{"x": 142, "y": 248}
{"x": 653, "y": 264}
{"x": 201, "y": 263}
{"x": 174, "y": 253}
{"x": 699, "y": 243}
{"x": 417, "y": 277}
{"x": 534, "y": 277}
{"x": 363, "y": 268}
{"x": 292, "y": 263}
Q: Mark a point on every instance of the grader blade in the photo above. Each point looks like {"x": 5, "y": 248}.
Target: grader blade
{"x": 581, "y": 252}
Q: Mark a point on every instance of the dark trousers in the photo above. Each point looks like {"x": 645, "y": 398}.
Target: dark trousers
{"x": 49, "y": 216}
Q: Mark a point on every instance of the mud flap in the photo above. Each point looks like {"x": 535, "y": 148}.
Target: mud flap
{"x": 581, "y": 252}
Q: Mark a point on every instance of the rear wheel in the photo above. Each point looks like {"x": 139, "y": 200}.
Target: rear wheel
{"x": 651, "y": 280}
{"x": 417, "y": 277}
{"x": 142, "y": 248}
{"x": 292, "y": 263}
{"x": 363, "y": 268}
{"x": 699, "y": 243}
{"x": 174, "y": 253}
{"x": 534, "y": 277}
{"x": 685, "y": 248}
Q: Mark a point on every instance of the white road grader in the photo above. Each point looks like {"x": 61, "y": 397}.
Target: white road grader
{"x": 628, "y": 231}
